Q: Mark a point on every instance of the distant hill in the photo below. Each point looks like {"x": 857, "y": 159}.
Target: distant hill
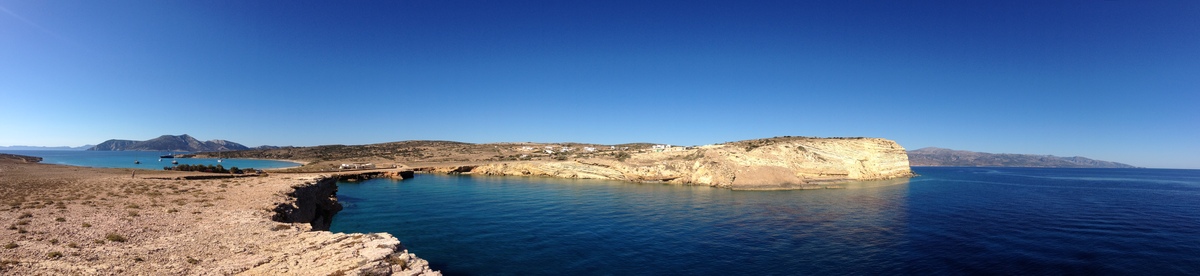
{"x": 114, "y": 144}
{"x": 960, "y": 158}
{"x": 84, "y": 147}
{"x": 169, "y": 143}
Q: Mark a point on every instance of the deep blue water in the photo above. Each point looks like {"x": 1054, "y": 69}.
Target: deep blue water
{"x": 1006, "y": 221}
{"x": 149, "y": 159}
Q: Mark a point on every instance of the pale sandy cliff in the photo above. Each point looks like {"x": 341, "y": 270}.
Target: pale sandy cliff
{"x": 774, "y": 163}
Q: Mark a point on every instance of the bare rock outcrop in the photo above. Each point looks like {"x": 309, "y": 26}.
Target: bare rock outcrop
{"x": 93, "y": 221}
{"x": 774, "y": 163}
{"x": 313, "y": 203}
{"x": 319, "y": 252}
{"x": 325, "y": 253}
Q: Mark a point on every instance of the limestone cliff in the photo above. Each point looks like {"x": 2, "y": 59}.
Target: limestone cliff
{"x": 312, "y": 203}
{"x": 774, "y": 163}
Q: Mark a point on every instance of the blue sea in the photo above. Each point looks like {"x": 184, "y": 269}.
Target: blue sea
{"x": 948, "y": 221}
{"x": 149, "y": 159}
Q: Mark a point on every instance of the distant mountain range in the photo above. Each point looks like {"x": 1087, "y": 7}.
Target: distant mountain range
{"x": 83, "y": 147}
{"x": 169, "y": 143}
{"x": 960, "y": 158}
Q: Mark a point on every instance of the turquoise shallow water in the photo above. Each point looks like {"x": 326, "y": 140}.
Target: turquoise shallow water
{"x": 149, "y": 159}
{"x": 948, "y": 221}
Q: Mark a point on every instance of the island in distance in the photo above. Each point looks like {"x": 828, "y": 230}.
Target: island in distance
{"x": 932, "y": 156}
{"x": 19, "y": 147}
{"x": 185, "y": 143}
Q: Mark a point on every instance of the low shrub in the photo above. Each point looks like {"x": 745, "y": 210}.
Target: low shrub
{"x": 114, "y": 237}
{"x": 622, "y": 156}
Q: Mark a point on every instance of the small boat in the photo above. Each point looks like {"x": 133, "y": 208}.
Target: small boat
{"x": 160, "y": 160}
{"x": 174, "y": 162}
{"x": 137, "y": 162}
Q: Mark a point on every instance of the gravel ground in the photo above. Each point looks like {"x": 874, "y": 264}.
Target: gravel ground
{"x": 59, "y": 220}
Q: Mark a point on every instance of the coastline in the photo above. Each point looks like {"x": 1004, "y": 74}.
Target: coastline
{"x": 80, "y": 220}
{"x": 297, "y": 162}
{"x": 113, "y": 160}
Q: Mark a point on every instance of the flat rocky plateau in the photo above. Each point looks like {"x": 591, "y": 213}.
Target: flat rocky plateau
{"x": 778, "y": 163}
{"x": 62, "y": 220}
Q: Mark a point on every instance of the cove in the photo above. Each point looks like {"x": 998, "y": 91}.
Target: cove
{"x": 949, "y": 220}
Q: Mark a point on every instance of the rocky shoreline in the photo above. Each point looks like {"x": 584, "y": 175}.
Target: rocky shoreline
{"x": 73, "y": 220}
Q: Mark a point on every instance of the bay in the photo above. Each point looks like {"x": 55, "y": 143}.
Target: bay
{"x": 946, "y": 221}
{"x": 149, "y": 159}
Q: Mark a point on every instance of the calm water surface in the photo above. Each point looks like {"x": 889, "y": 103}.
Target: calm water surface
{"x": 149, "y": 159}
{"x": 948, "y": 221}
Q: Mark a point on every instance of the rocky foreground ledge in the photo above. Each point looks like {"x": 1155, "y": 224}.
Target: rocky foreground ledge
{"x": 61, "y": 220}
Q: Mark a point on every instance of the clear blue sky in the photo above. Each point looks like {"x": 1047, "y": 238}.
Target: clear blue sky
{"x": 1111, "y": 80}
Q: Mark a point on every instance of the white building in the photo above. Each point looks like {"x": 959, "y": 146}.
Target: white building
{"x": 358, "y": 166}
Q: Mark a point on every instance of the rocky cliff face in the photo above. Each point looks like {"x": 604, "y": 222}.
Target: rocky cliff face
{"x": 319, "y": 252}
{"x": 314, "y": 203}
{"x": 774, "y": 163}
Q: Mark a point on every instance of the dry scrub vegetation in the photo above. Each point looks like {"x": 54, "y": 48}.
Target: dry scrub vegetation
{"x": 71, "y": 220}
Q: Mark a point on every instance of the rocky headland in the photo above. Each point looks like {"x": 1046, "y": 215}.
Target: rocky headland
{"x": 760, "y": 164}
{"x": 20, "y": 158}
{"x": 61, "y": 220}
{"x": 765, "y": 164}
{"x": 74, "y": 220}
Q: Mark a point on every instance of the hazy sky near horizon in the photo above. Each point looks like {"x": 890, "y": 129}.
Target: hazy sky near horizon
{"x": 1110, "y": 80}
